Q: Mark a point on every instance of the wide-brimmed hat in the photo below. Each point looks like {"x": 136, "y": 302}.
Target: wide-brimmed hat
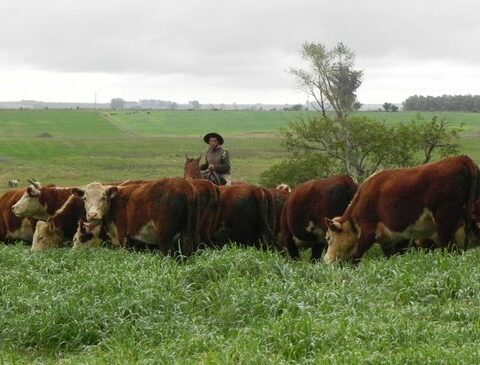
{"x": 207, "y": 136}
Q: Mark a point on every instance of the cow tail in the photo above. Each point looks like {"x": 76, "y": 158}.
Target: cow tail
{"x": 268, "y": 216}
{"x": 472, "y": 197}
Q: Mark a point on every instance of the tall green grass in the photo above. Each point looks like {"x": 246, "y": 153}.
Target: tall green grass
{"x": 237, "y": 306}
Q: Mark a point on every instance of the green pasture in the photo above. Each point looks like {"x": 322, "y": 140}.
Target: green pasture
{"x": 237, "y": 306}
{"x": 70, "y": 147}
{"x": 231, "y": 306}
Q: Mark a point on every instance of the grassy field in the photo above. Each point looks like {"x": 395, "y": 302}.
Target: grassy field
{"x": 234, "y": 306}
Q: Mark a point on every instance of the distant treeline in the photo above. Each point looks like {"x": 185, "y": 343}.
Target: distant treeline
{"x": 464, "y": 103}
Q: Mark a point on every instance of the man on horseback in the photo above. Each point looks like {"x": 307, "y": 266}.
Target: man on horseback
{"x": 217, "y": 163}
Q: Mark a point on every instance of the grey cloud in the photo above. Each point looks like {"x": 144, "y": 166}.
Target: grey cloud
{"x": 231, "y": 40}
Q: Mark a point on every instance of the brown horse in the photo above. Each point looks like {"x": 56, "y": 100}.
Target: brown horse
{"x": 191, "y": 170}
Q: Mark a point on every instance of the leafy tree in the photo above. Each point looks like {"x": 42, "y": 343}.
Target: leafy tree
{"x": 432, "y": 136}
{"x": 296, "y": 170}
{"x": 389, "y": 107}
{"x": 117, "y": 103}
{"x": 318, "y": 149}
{"x": 195, "y": 104}
{"x": 329, "y": 78}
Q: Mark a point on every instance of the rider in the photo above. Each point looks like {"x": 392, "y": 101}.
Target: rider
{"x": 217, "y": 163}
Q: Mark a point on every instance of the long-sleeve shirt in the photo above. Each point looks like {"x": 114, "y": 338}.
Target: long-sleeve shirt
{"x": 219, "y": 159}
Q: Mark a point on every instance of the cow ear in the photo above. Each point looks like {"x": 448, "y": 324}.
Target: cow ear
{"x": 333, "y": 225}
{"x": 79, "y": 193}
{"x": 33, "y": 192}
{"x": 112, "y": 192}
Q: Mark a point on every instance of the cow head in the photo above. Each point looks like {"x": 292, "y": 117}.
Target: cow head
{"x": 97, "y": 199}
{"x": 341, "y": 238}
{"x": 88, "y": 234}
{"x": 46, "y": 236}
{"x": 31, "y": 204}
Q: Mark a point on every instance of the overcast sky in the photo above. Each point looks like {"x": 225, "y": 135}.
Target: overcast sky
{"x": 221, "y": 51}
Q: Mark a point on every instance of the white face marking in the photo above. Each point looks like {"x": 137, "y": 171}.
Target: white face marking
{"x": 29, "y": 206}
{"x": 97, "y": 204}
{"x": 341, "y": 244}
{"x": 45, "y": 238}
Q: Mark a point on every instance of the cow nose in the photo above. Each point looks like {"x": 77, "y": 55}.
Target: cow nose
{"x": 92, "y": 215}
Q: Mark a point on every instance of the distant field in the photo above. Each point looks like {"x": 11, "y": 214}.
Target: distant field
{"x": 233, "y": 306}
{"x": 76, "y": 146}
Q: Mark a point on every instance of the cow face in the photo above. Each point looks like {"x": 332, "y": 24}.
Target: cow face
{"x": 29, "y": 204}
{"x": 342, "y": 239}
{"x": 46, "y": 236}
{"x": 87, "y": 234}
{"x": 97, "y": 198}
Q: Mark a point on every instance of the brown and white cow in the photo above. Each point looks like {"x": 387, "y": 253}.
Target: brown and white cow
{"x": 303, "y": 217}
{"x": 154, "y": 212}
{"x": 14, "y": 228}
{"x": 41, "y": 202}
{"x": 428, "y": 202}
{"x": 246, "y": 215}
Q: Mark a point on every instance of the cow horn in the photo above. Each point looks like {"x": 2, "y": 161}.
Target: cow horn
{"x": 34, "y": 183}
{"x": 200, "y": 157}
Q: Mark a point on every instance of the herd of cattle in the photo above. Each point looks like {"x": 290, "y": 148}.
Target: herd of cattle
{"x": 436, "y": 205}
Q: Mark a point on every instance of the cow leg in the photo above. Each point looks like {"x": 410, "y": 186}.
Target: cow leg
{"x": 317, "y": 251}
{"x": 292, "y": 248}
{"x": 445, "y": 226}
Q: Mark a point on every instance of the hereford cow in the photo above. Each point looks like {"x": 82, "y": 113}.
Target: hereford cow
{"x": 303, "y": 217}
{"x": 41, "y": 202}
{"x": 434, "y": 201}
{"x": 14, "y": 228}
{"x": 153, "y": 212}
{"x": 246, "y": 215}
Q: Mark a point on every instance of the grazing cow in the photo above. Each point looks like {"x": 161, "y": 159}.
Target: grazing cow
{"x": 153, "y": 212}
{"x": 41, "y": 202}
{"x": 12, "y": 227}
{"x": 303, "y": 224}
{"x": 60, "y": 227}
{"x": 435, "y": 202}
{"x": 13, "y": 183}
{"x": 246, "y": 215}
